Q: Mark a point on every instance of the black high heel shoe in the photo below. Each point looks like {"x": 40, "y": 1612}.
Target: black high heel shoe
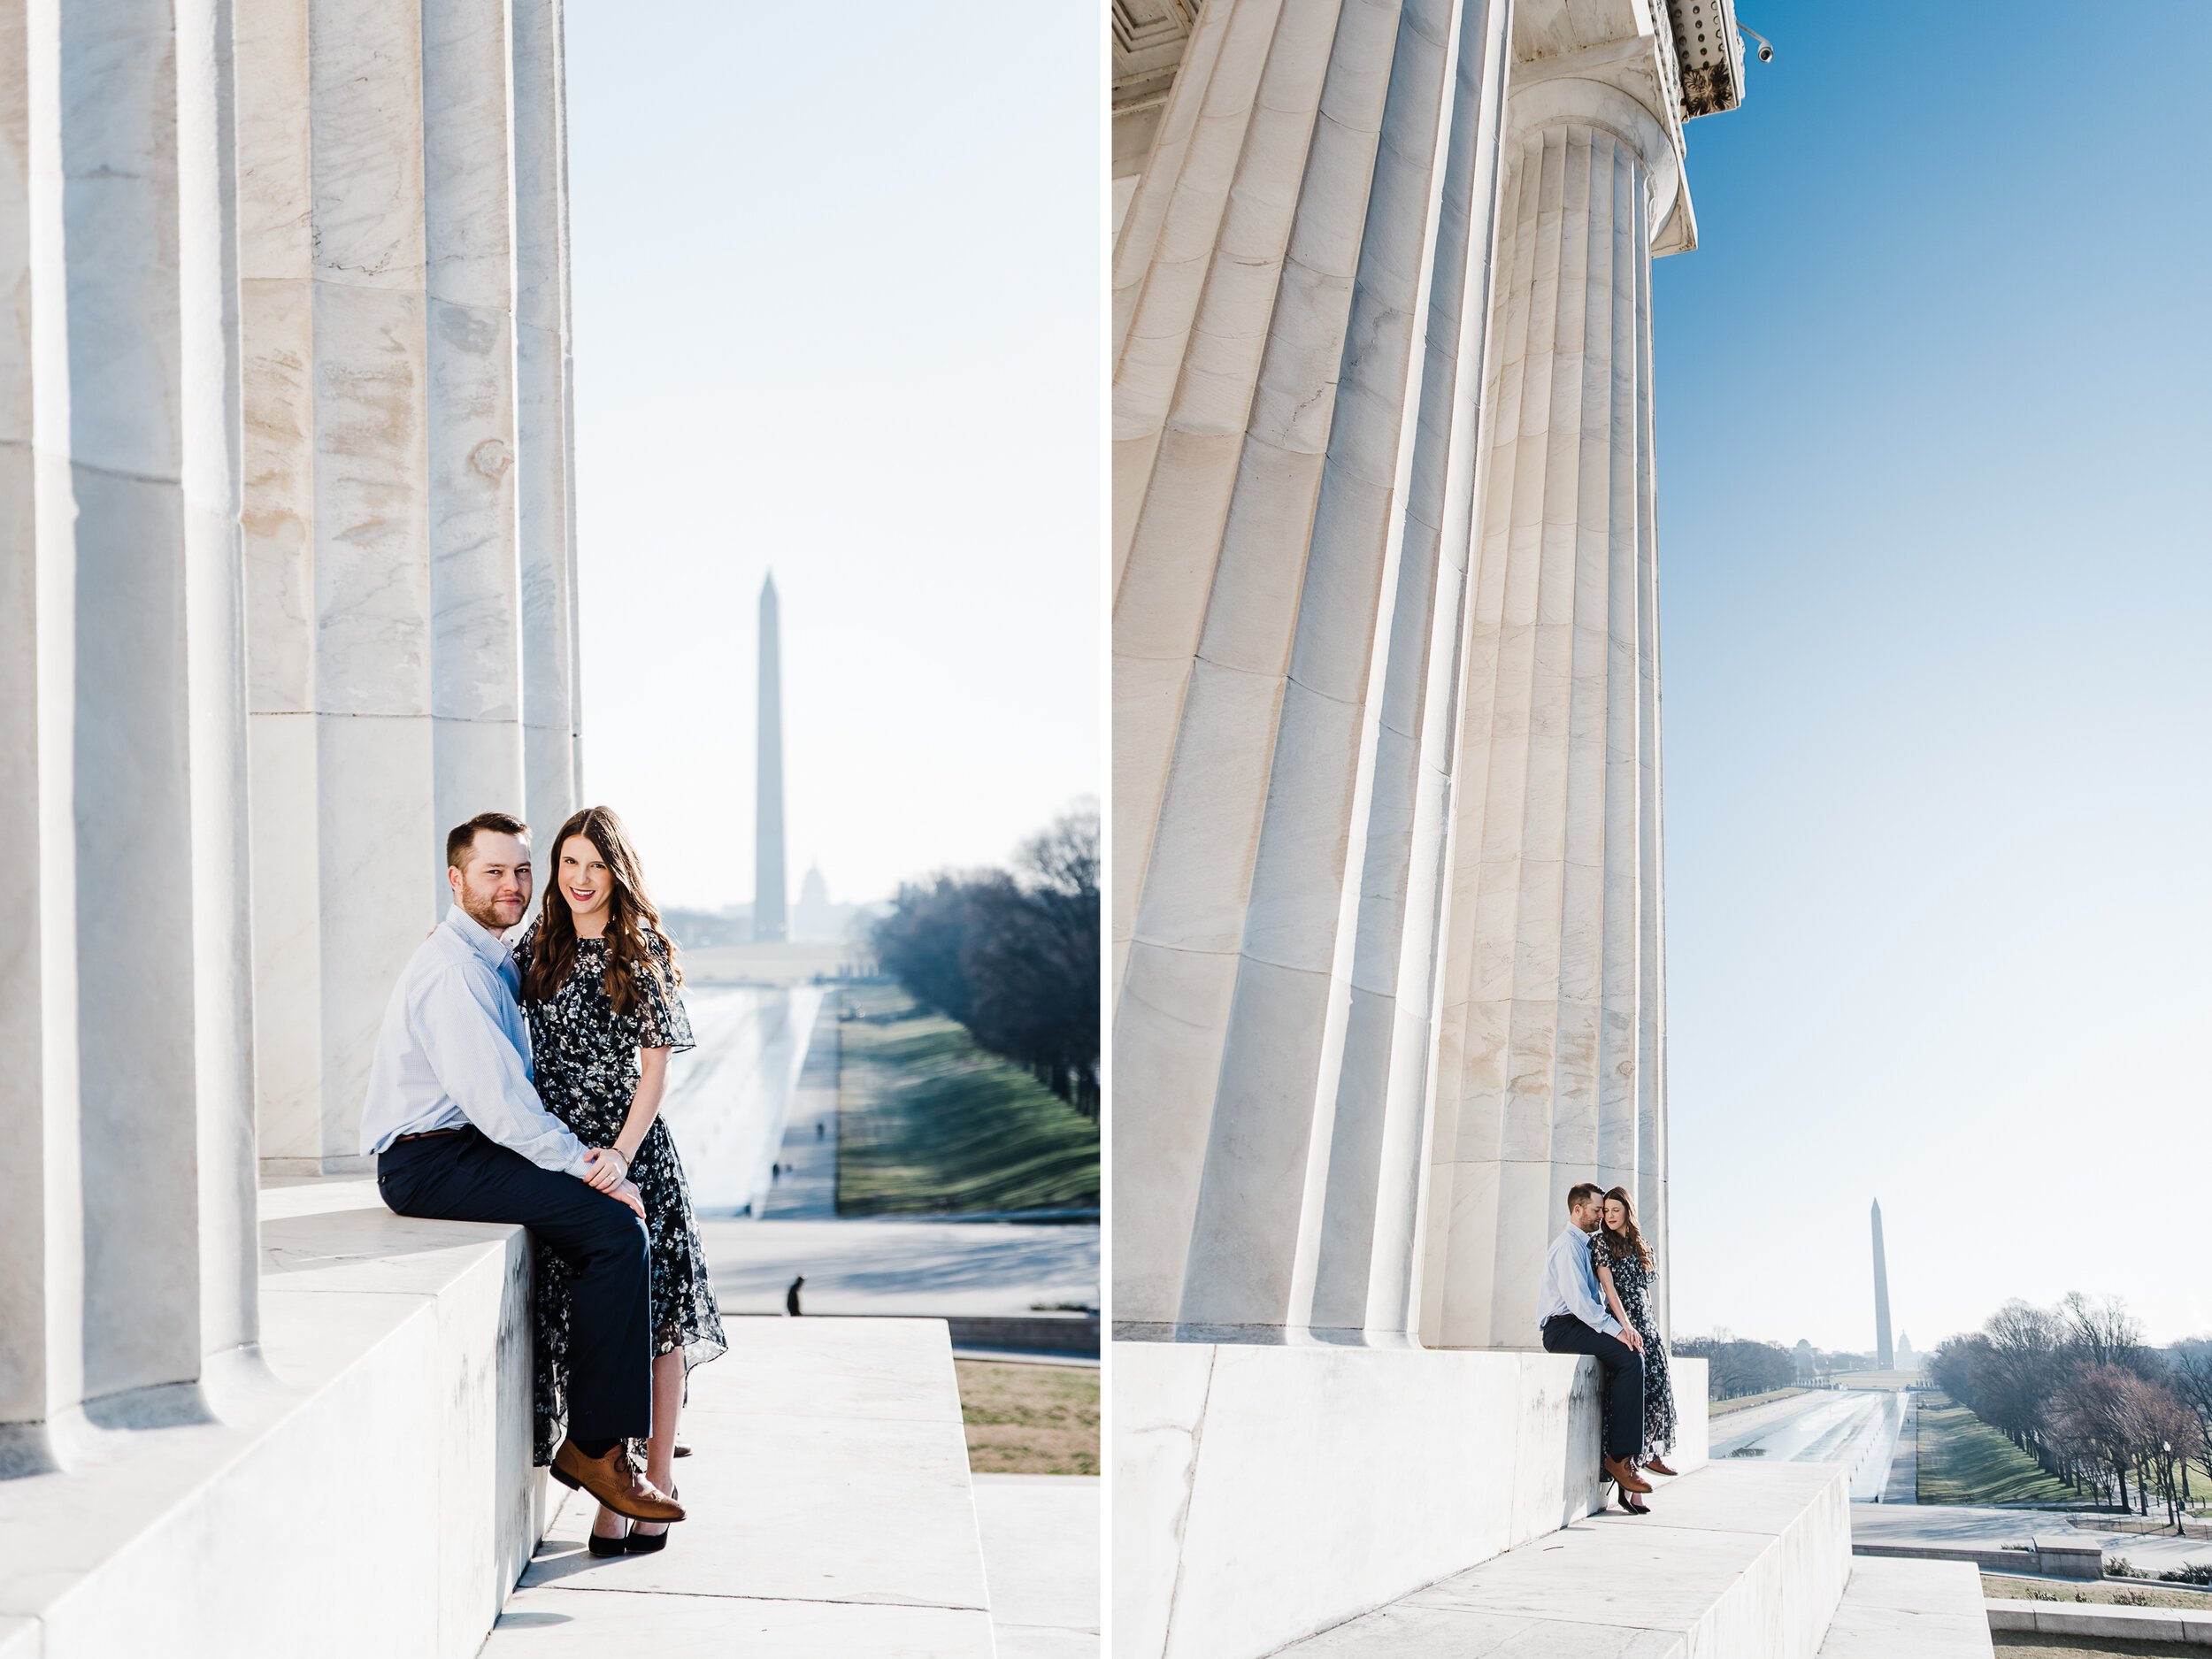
{"x": 604, "y": 1548}
{"x": 646, "y": 1543}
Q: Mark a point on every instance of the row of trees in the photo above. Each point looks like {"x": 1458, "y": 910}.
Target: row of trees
{"x": 1738, "y": 1367}
{"x": 1012, "y": 954}
{"x": 2078, "y": 1389}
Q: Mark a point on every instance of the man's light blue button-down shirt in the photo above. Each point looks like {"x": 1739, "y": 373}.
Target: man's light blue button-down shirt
{"x": 454, "y": 1050}
{"x": 1571, "y": 1284}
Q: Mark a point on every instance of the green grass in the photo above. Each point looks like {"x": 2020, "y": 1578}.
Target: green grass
{"x": 1962, "y": 1460}
{"x": 2150, "y": 1595}
{"x": 929, "y": 1124}
{"x": 1029, "y": 1419}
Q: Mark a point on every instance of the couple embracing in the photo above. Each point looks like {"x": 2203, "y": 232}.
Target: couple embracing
{"x": 1596, "y": 1299}
{"x": 522, "y": 1083}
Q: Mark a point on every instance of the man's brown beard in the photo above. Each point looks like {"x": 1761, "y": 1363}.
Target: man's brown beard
{"x": 487, "y": 919}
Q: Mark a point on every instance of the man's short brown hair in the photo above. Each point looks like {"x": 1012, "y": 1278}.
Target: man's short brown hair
{"x": 1582, "y": 1191}
{"x": 462, "y": 837}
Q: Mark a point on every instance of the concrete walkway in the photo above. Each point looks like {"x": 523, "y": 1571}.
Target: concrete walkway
{"x": 830, "y": 1515}
{"x": 901, "y": 1266}
{"x": 1994, "y": 1528}
{"x": 1040, "y": 1552}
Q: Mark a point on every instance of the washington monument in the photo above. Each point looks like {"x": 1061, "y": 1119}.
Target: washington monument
{"x": 1884, "y": 1357}
{"x": 769, "y": 925}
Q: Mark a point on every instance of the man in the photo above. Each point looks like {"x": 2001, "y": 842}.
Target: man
{"x": 1575, "y": 1321}
{"x": 459, "y": 1134}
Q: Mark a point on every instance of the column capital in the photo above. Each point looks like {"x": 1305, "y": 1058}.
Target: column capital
{"x": 1587, "y": 89}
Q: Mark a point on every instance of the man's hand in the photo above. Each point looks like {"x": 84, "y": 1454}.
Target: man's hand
{"x": 626, "y": 1192}
{"x": 606, "y": 1172}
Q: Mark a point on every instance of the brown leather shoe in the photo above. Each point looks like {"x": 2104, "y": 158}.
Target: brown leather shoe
{"x": 1616, "y": 1470}
{"x": 1656, "y": 1467}
{"x": 614, "y": 1482}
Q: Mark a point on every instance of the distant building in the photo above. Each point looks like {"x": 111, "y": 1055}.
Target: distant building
{"x": 1907, "y": 1360}
{"x": 815, "y": 920}
{"x": 1808, "y": 1365}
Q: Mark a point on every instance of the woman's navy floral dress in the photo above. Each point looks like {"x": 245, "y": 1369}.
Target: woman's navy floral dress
{"x": 585, "y": 1059}
{"x": 1632, "y": 1281}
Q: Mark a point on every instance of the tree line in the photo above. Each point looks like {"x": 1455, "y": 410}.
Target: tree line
{"x": 1012, "y": 954}
{"x": 2078, "y": 1389}
{"x": 1736, "y": 1367}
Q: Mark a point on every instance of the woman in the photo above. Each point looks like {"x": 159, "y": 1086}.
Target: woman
{"x": 1625, "y": 1272}
{"x": 599, "y": 980}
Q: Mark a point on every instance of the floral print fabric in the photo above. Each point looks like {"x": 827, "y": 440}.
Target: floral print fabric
{"x": 585, "y": 1058}
{"x": 1632, "y": 1282}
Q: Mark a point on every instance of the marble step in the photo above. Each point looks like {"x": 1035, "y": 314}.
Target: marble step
{"x": 831, "y": 1514}
{"x": 1911, "y": 1610}
{"x": 1736, "y": 1562}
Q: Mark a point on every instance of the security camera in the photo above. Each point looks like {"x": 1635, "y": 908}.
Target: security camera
{"x": 1766, "y": 51}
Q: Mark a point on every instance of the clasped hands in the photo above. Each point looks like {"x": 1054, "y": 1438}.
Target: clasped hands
{"x": 610, "y": 1173}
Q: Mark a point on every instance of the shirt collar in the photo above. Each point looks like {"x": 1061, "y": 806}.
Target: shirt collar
{"x": 494, "y": 950}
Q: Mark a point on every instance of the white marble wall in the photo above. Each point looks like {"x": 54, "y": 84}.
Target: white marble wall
{"x": 124, "y": 1255}
{"x": 1300, "y": 287}
{"x": 408, "y": 522}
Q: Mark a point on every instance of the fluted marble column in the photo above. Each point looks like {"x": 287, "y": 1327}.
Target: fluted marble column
{"x": 469, "y": 280}
{"x": 552, "y": 706}
{"x": 1301, "y": 288}
{"x": 126, "y": 1246}
{"x": 1551, "y": 1067}
{"x": 411, "y": 648}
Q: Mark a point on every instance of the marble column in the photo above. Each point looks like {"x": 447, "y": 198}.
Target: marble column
{"x": 1550, "y": 1067}
{"x": 1300, "y": 287}
{"x": 469, "y": 287}
{"x": 552, "y": 706}
{"x": 126, "y": 1251}
{"x": 408, "y": 522}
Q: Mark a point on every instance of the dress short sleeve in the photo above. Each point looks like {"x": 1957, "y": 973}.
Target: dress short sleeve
{"x": 1599, "y": 1254}
{"x": 661, "y": 1020}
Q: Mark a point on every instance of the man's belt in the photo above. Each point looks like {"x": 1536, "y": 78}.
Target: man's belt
{"x": 426, "y": 1134}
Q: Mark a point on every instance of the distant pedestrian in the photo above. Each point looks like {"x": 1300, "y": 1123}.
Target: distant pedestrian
{"x": 775, "y": 1173}
{"x": 791, "y": 1296}
{"x": 820, "y": 1129}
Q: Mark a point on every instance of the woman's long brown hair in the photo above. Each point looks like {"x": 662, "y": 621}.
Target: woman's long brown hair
{"x": 1632, "y": 1240}
{"x": 631, "y": 916}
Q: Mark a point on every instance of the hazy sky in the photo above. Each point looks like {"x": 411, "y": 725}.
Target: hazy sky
{"x": 1933, "y": 445}
{"x": 836, "y": 279}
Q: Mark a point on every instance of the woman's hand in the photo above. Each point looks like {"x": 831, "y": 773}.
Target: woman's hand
{"x": 609, "y": 1169}
{"x": 626, "y": 1192}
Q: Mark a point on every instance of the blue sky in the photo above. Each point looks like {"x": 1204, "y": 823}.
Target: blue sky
{"x": 836, "y": 279}
{"x": 1934, "y": 426}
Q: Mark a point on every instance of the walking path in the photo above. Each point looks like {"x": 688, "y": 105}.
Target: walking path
{"x": 903, "y": 1266}
{"x": 806, "y": 1190}
{"x": 1971, "y": 1527}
